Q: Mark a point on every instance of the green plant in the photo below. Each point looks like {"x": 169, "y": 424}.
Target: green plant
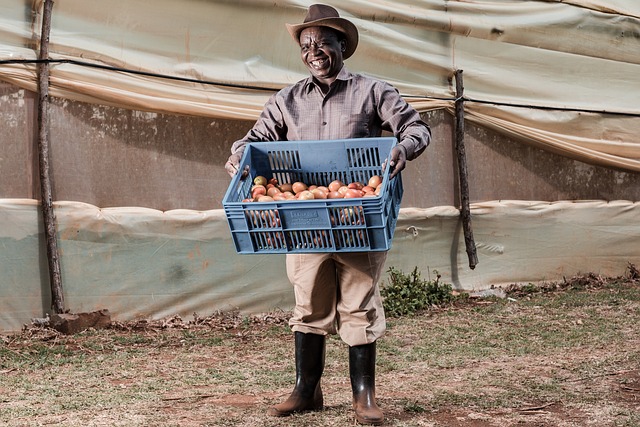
{"x": 408, "y": 294}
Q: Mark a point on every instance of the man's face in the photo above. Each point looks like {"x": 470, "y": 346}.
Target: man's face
{"x": 321, "y": 52}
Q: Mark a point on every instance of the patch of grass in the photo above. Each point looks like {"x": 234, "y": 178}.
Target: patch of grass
{"x": 37, "y": 356}
{"x": 133, "y": 340}
{"x": 631, "y": 418}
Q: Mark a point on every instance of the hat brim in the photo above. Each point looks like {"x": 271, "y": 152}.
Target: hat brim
{"x": 340, "y": 24}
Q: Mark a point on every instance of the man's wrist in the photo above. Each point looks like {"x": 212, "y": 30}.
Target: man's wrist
{"x": 404, "y": 149}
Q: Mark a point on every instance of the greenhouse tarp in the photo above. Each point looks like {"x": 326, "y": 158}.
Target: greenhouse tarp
{"x": 142, "y": 263}
{"x": 563, "y": 75}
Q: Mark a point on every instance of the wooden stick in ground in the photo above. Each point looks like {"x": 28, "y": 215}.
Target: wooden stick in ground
{"x": 465, "y": 212}
{"x": 48, "y": 214}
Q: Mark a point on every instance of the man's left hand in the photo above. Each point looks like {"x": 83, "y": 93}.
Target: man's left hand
{"x": 398, "y": 160}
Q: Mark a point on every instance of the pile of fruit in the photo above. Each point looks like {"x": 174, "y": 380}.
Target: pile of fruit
{"x": 270, "y": 190}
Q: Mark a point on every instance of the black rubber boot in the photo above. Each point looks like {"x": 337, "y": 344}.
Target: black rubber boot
{"x": 362, "y": 367}
{"x": 307, "y": 394}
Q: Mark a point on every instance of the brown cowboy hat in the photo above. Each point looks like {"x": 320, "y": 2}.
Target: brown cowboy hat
{"x": 321, "y": 15}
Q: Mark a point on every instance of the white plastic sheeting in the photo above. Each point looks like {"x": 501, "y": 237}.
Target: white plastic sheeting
{"x": 577, "y": 60}
{"x": 145, "y": 263}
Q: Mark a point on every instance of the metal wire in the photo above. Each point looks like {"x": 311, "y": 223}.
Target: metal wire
{"x": 274, "y": 89}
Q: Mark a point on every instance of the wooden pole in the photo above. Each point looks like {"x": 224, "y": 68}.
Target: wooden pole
{"x": 465, "y": 212}
{"x": 48, "y": 214}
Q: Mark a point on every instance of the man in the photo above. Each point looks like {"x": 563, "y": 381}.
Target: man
{"x": 335, "y": 293}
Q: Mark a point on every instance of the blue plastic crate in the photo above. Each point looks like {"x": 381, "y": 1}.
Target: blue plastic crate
{"x": 320, "y": 225}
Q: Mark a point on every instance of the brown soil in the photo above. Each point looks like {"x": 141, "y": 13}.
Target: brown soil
{"x": 193, "y": 380}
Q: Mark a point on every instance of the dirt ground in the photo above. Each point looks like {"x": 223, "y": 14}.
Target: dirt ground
{"x": 560, "y": 356}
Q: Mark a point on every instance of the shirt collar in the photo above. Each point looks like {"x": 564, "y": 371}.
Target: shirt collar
{"x": 343, "y": 74}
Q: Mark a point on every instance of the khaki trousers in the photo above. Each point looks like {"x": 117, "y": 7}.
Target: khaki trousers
{"x": 338, "y": 293}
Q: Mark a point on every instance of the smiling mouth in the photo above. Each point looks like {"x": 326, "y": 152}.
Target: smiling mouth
{"x": 318, "y": 63}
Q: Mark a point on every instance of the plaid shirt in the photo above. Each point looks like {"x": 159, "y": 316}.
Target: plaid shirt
{"x": 356, "y": 106}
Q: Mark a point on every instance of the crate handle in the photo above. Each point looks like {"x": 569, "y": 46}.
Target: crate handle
{"x": 245, "y": 173}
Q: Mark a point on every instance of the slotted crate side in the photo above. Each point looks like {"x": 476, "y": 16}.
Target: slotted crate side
{"x": 320, "y": 162}
{"x": 310, "y": 240}
{"x": 365, "y": 162}
{"x": 394, "y": 206}
{"x": 237, "y": 189}
{"x": 353, "y": 240}
{"x": 267, "y": 242}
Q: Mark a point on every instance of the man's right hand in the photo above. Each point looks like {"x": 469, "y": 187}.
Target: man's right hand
{"x": 233, "y": 164}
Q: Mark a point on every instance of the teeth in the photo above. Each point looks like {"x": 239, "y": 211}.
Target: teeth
{"x": 317, "y": 63}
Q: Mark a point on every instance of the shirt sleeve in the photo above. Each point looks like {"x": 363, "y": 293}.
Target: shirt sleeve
{"x": 403, "y": 121}
{"x": 270, "y": 126}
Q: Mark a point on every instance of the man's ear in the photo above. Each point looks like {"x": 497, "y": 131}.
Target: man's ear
{"x": 343, "y": 45}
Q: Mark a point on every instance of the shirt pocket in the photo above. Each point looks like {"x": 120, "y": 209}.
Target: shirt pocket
{"x": 358, "y": 125}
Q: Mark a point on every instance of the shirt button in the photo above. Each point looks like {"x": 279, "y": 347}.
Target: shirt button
{"x": 324, "y": 123}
